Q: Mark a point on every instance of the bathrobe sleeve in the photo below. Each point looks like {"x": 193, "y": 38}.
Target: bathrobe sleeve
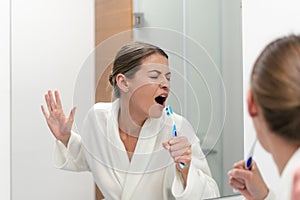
{"x": 200, "y": 184}
{"x": 70, "y": 157}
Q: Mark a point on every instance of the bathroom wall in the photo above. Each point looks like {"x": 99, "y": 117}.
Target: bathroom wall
{"x": 5, "y": 99}
{"x": 50, "y": 42}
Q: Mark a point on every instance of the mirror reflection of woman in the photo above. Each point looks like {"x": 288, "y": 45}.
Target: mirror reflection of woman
{"x": 274, "y": 106}
{"x": 127, "y": 144}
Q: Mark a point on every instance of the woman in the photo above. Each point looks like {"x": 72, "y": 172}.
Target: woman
{"x": 127, "y": 144}
{"x": 274, "y": 106}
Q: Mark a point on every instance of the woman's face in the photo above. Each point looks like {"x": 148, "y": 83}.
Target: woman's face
{"x": 149, "y": 88}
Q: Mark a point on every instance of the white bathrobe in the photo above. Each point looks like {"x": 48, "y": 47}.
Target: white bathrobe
{"x": 284, "y": 188}
{"x": 151, "y": 173}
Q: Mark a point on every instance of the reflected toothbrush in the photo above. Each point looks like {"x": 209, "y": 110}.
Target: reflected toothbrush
{"x": 169, "y": 112}
{"x": 248, "y": 161}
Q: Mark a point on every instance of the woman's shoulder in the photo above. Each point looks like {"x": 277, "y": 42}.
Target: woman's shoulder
{"x": 100, "y": 109}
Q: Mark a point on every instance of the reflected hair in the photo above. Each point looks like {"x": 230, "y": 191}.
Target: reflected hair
{"x": 275, "y": 84}
{"x": 128, "y": 60}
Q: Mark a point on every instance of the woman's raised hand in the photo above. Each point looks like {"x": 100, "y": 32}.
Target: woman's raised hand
{"x": 59, "y": 124}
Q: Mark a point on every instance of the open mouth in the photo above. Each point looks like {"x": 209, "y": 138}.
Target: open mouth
{"x": 161, "y": 99}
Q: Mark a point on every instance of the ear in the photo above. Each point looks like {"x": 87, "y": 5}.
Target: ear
{"x": 252, "y": 106}
{"x": 122, "y": 82}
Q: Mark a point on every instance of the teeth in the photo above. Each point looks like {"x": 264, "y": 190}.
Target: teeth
{"x": 163, "y": 95}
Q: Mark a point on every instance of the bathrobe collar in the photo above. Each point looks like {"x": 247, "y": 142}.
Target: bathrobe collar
{"x": 145, "y": 146}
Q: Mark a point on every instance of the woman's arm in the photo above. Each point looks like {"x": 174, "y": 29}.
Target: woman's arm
{"x": 194, "y": 181}
{"x": 68, "y": 152}
{"x": 199, "y": 183}
{"x": 71, "y": 157}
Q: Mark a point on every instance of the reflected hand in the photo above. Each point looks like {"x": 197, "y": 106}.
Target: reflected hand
{"x": 59, "y": 124}
{"x": 248, "y": 182}
{"x": 180, "y": 149}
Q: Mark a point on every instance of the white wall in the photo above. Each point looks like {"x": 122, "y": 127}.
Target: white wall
{"x": 50, "y": 41}
{"x": 263, "y": 21}
{"x": 5, "y": 99}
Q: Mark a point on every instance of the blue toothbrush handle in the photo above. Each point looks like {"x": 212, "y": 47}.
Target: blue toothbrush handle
{"x": 169, "y": 111}
{"x": 182, "y": 165}
{"x": 174, "y": 133}
{"x": 248, "y": 162}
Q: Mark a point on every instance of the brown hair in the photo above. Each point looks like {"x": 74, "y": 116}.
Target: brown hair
{"x": 275, "y": 84}
{"x": 128, "y": 61}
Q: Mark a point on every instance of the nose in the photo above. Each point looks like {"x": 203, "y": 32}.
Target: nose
{"x": 165, "y": 84}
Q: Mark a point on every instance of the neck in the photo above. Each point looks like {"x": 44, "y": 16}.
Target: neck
{"x": 282, "y": 151}
{"x": 130, "y": 122}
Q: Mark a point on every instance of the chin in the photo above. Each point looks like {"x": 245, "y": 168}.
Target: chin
{"x": 155, "y": 111}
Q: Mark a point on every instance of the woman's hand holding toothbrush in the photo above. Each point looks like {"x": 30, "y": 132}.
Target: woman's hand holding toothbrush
{"x": 180, "y": 149}
{"x": 248, "y": 182}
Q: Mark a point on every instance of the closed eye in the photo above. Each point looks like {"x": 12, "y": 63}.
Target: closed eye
{"x": 153, "y": 77}
{"x": 154, "y": 74}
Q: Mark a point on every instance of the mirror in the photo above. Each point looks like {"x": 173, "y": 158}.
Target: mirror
{"x": 204, "y": 42}
{"x": 49, "y": 47}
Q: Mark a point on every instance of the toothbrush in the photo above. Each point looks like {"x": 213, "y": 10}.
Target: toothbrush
{"x": 169, "y": 112}
{"x": 249, "y": 160}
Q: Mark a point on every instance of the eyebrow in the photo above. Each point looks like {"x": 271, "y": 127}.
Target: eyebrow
{"x": 154, "y": 70}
